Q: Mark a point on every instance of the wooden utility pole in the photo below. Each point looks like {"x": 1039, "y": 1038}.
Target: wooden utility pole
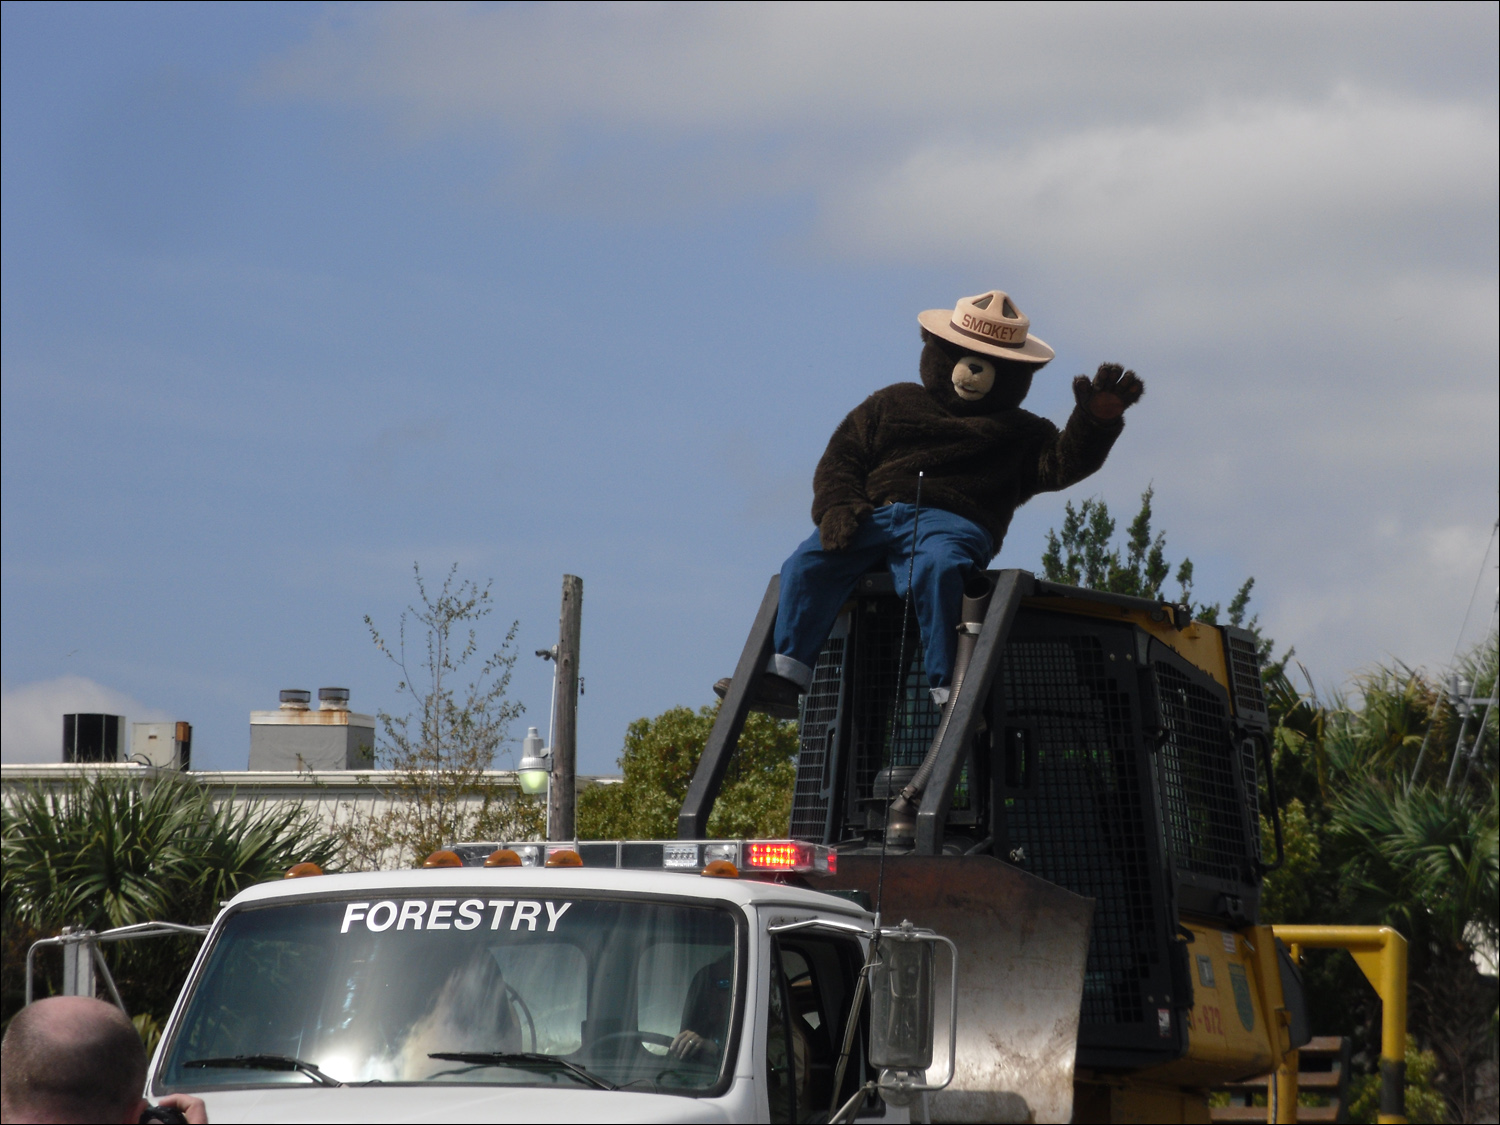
{"x": 565, "y": 720}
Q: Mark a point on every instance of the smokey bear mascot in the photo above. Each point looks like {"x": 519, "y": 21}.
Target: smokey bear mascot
{"x": 979, "y": 456}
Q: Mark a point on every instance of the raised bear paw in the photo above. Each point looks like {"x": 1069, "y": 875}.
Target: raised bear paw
{"x": 1111, "y": 392}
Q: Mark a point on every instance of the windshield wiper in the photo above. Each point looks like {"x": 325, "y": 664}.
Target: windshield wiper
{"x": 523, "y": 1059}
{"x": 267, "y": 1062}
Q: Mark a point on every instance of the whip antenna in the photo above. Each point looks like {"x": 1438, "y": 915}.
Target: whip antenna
{"x": 898, "y": 705}
{"x": 834, "y": 1112}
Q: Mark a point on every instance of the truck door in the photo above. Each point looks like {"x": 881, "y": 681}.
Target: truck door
{"x": 812, "y": 981}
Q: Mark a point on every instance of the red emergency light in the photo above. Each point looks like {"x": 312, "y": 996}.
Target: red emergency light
{"x": 788, "y": 855}
{"x": 781, "y": 856}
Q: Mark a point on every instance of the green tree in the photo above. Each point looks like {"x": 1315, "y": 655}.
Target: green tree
{"x": 1424, "y": 1102}
{"x": 658, "y": 762}
{"x": 1083, "y": 554}
{"x": 106, "y": 851}
{"x": 441, "y": 753}
{"x": 1287, "y": 894}
{"x": 1374, "y": 834}
{"x": 1426, "y": 862}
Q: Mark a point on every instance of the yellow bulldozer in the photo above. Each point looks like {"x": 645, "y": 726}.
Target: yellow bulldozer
{"x": 1087, "y": 831}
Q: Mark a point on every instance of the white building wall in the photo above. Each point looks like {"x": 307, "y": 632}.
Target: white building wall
{"x": 335, "y": 795}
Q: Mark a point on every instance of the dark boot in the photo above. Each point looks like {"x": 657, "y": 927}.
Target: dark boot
{"x": 774, "y": 695}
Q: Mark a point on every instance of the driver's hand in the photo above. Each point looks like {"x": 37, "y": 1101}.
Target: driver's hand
{"x": 688, "y": 1045}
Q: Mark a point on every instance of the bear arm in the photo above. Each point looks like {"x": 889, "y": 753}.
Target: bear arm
{"x": 844, "y": 469}
{"x": 1077, "y": 451}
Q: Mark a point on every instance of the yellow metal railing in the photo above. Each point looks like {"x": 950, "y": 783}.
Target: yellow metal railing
{"x": 1380, "y": 953}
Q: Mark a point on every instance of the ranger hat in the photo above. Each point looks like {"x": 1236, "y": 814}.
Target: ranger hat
{"x": 989, "y": 324}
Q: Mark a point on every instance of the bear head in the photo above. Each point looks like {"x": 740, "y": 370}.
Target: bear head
{"x": 967, "y": 383}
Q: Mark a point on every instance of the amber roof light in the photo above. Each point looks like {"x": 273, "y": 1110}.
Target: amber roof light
{"x": 443, "y": 858}
{"x": 503, "y": 857}
{"x": 302, "y": 870}
{"x": 564, "y": 857}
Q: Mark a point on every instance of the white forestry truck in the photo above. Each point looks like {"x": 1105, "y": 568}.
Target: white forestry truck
{"x": 665, "y": 981}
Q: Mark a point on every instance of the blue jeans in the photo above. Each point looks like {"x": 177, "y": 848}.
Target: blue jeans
{"x": 816, "y": 583}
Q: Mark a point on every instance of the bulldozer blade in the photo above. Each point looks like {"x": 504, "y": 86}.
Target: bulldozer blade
{"x": 1022, "y": 946}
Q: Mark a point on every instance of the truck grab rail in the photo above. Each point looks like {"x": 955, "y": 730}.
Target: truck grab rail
{"x": 74, "y": 966}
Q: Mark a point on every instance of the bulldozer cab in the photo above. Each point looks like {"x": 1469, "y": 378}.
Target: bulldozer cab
{"x": 1105, "y": 750}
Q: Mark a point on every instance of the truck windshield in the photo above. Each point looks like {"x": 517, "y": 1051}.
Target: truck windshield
{"x": 572, "y": 991}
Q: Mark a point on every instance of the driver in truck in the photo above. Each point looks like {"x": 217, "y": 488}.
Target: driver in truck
{"x": 705, "y": 1016}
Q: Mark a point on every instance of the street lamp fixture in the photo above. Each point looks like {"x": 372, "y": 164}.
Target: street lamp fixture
{"x": 535, "y": 768}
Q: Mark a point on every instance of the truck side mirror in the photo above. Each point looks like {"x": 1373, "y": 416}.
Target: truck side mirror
{"x": 902, "y": 1011}
{"x": 901, "y": 1005}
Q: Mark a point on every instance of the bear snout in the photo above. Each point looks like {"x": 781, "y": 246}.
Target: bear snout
{"x": 972, "y": 378}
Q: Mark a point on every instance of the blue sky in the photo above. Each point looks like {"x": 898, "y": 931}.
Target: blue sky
{"x": 295, "y": 296}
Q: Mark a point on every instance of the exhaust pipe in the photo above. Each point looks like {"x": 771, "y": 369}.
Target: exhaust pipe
{"x": 901, "y": 819}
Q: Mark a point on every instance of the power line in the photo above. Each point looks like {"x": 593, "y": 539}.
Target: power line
{"x": 1478, "y": 580}
{"x": 1457, "y": 645}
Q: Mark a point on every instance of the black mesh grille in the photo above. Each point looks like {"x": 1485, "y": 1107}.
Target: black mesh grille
{"x": 1204, "y": 819}
{"x": 820, "y": 708}
{"x": 1244, "y": 674}
{"x": 1081, "y": 823}
{"x": 877, "y": 654}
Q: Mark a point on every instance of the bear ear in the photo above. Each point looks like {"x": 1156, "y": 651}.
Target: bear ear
{"x": 938, "y": 342}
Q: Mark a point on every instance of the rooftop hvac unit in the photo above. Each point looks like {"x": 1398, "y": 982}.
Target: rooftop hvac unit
{"x": 93, "y": 738}
{"x": 169, "y": 745}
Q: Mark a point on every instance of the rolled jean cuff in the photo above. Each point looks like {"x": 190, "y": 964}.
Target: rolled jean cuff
{"x": 789, "y": 668}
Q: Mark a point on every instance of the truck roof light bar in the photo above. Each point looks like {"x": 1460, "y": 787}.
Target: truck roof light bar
{"x": 748, "y": 857}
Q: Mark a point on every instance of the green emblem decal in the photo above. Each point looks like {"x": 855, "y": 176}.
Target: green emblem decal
{"x": 1242, "y": 1003}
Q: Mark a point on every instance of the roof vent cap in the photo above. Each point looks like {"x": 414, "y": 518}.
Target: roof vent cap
{"x": 333, "y": 698}
{"x": 295, "y": 699}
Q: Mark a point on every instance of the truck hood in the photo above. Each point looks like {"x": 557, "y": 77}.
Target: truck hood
{"x": 509, "y": 1104}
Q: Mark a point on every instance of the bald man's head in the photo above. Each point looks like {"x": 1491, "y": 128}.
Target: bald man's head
{"x": 71, "y": 1058}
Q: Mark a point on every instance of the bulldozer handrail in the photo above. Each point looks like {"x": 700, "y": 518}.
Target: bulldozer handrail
{"x": 1380, "y": 953}
{"x": 932, "y": 816}
{"x": 723, "y": 740}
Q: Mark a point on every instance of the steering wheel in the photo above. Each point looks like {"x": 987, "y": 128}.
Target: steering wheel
{"x": 655, "y": 1037}
{"x": 512, "y": 995}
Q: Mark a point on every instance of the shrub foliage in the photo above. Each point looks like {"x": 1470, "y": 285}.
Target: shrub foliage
{"x": 105, "y": 851}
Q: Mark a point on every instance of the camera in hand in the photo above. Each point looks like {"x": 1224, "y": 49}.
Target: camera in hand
{"x": 163, "y": 1114}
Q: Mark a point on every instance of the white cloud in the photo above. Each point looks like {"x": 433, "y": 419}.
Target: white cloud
{"x": 31, "y": 714}
{"x": 1235, "y": 194}
{"x": 816, "y": 67}
{"x": 1226, "y": 142}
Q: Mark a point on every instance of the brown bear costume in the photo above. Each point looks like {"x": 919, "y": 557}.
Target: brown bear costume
{"x": 980, "y": 460}
{"x": 979, "y": 456}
